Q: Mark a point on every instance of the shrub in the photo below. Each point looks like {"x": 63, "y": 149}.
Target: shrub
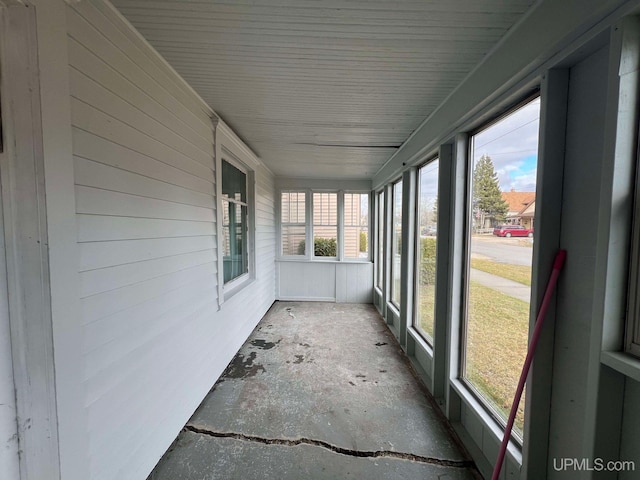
{"x": 427, "y": 261}
{"x": 322, "y": 247}
{"x": 325, "y": 247}
{"x": 363, "y": 241}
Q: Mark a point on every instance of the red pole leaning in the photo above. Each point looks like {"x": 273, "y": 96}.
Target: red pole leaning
{"x": 558, "y": 263}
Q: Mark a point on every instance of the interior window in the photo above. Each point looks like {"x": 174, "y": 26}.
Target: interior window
{"x": 500, "y": 247}
{"x": 380, "y": 225}
{"x": 356, "y": 225}
{"x": 325, "y": 224}
{"x": 293, "y": 223}
{"x": 234, "y": 222}
{"x": 426, "y": 240}
{"x": 396, "y": 243}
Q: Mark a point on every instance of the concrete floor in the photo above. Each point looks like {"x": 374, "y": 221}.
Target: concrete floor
{"x": 319, "y": 391}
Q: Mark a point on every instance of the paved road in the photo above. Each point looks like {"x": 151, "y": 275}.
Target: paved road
{"x": 504, "y": 250}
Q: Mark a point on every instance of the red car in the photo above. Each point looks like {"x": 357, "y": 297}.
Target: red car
{"x": 512, "y": 231}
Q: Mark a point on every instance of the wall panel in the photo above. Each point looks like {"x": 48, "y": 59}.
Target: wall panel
{"x": 154, "y": 336}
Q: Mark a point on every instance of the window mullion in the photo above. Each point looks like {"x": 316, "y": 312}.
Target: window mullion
{"x": 340, "y": 226}
{"x": 309, "y": 224}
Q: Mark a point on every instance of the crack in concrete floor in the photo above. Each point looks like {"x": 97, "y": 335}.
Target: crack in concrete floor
{"x": 332, "y": 448}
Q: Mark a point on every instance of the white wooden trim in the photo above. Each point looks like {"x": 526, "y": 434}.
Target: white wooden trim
{"x": 62, "y": 237}
{"x": 340, "y": 229}
{"x": 9, "y": 461}
{"x": 219, "y": 230}
{"x": 308, "y": 220}
{"x": 307, "y": 299}
{"x": 236, "y": 146}
{"x": 230, "y": 148}
{"x": 24, "y": 210}
{"x": 355, "y": 186}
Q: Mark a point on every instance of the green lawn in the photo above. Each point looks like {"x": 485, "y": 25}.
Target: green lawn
{"x": 426, "y": 307}
{"x": 517, "y": 273}
{"x": 497, "y": 338}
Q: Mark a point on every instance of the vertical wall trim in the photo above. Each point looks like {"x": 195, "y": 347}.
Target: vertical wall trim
{"x": 443, "y": 272}
{"x": 53, "y": 66}
{"x": 551, "y": 151}
{"x": 9, "y": 460}
{"x": 310, "y": 247}
{"x": 408, "y": 246}
{"x": 217, "y": 161}
{"x": 24, "y": 210}
{"x": 340, "y": 232}
{"x": 456, "y": 255}
{"x": 386, "y": 284}
{"x": 619, "y": 181}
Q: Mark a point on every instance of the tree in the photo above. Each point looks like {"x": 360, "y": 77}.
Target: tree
{"x": 487, "y": 197}
{"x": 434, "y": 211}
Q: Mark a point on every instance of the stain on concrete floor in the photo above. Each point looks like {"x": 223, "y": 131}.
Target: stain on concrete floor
{"x": 263, "y": 344}
{"x": 312, "y": 395}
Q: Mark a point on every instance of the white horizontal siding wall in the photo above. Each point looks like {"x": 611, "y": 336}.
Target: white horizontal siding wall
{"x": 154, "y": 338}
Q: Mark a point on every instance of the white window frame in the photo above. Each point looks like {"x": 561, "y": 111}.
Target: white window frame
{"x": 392, "y": 242}
{"x": 227, "y": 290}
{"x": 240, "y": 167}
{"x": 309, "y": 226}
{"x": 416, "y": 259}
{"x": 305, "y": 225}
{"x": 487, "y": 407}
{"x": 632, "y": 331}
{"x": 311, "y": 223}
{"x": 379, "y": 197}
{"x": 342, "y": 226}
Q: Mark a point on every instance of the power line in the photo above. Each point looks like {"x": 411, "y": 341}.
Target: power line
{"x": 537, "y": 119}
{"x": 514, "y": 151}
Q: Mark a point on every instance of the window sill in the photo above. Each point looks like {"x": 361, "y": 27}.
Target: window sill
{"x": 622, "y": 363}
{"x": 420, "y": 341}
{"x": 236, "y": 287}
{"x": 317, "y": 260}
{"x": 393, "y": 308}
{"x": 496, "y": 430}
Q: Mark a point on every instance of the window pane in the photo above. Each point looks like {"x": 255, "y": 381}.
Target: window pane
{"x": 234, "y": 183}
{"x": 293, "y": 240}
{"x": 396, "y": 243}
{"x": 234, "y": 230}
{"x": 502, "y": 208}
{"x": 426, "y": 249}
{"x": 325, "y": 224}
{"x": 293, "y": 215}
{"x": 356, "y": 225}
{"x": 293, "y": 207}
{"x": 380, "y": 226}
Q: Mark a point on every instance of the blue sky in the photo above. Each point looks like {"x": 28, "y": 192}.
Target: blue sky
{"x": 512, "y": 144}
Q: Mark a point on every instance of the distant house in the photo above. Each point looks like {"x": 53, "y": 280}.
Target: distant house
{"x": 526, "y": 215}
{"x": 521, "y": 207}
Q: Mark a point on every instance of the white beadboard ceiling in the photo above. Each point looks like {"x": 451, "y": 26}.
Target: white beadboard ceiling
{"x": 324, "y": 89}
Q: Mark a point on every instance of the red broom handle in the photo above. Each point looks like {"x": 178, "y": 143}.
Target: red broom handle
{"x": 558, "y": 263}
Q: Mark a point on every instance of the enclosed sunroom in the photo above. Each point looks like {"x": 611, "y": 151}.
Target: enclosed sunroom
{"x": 172, "y": 170}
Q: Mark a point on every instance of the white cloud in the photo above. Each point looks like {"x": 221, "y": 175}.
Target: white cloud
{"x": 509, "y": 142}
